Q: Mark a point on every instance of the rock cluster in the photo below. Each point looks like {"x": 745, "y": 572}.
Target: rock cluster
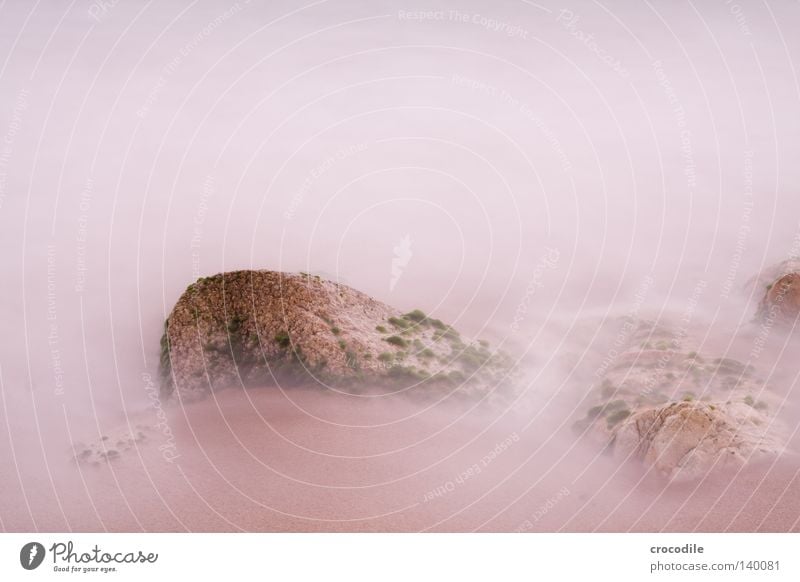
{"x": 680, "y": 412}
{"x": 112, "y": 445}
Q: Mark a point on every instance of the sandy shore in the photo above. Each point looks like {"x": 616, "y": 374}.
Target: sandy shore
{"x": 306, "y": 460}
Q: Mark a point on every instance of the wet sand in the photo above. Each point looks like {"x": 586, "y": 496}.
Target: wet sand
{"x": 308, "y": 460}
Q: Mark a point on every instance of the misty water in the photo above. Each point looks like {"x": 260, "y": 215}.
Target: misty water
{"x": 529, "y": 173}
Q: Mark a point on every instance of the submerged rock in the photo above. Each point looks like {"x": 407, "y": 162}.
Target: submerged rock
{"x": 681, "y": 412}
{"x": 767, "y": 277}
{"x": 685, "y": 440}
{"x": 109, "y": 447}
{"x": 256, "y": 328}
{"x": 781, "y": 302}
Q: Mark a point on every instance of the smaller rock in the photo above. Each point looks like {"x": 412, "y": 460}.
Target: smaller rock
{"x": 781, "y": 302}
{"x": 683, "y": 412}
{"x": 685, "y": 440}
{"x": 101, "y": 451}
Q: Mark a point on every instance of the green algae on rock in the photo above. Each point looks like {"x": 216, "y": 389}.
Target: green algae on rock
{"x": 258, "y": 327}
{"x": 682, "y": 413}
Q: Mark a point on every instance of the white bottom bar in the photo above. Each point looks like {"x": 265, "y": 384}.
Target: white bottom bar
{"x": 402, "y": 557}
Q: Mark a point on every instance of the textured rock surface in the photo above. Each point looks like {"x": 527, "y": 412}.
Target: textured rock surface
{"x": 767, "y": 277}
{"x": 685, "y": 440}
{"x": 781, "y": 302}
{"x": 679, "y": 411}
{"x": 255, "y": 328}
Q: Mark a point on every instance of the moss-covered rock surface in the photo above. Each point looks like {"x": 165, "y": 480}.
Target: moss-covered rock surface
{"x": 261, "y": 328}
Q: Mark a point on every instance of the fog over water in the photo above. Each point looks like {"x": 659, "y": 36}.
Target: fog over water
{"x": 520, "y": 170}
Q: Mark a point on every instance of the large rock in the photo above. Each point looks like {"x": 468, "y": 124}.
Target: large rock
{"x": 255, "y": 328}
